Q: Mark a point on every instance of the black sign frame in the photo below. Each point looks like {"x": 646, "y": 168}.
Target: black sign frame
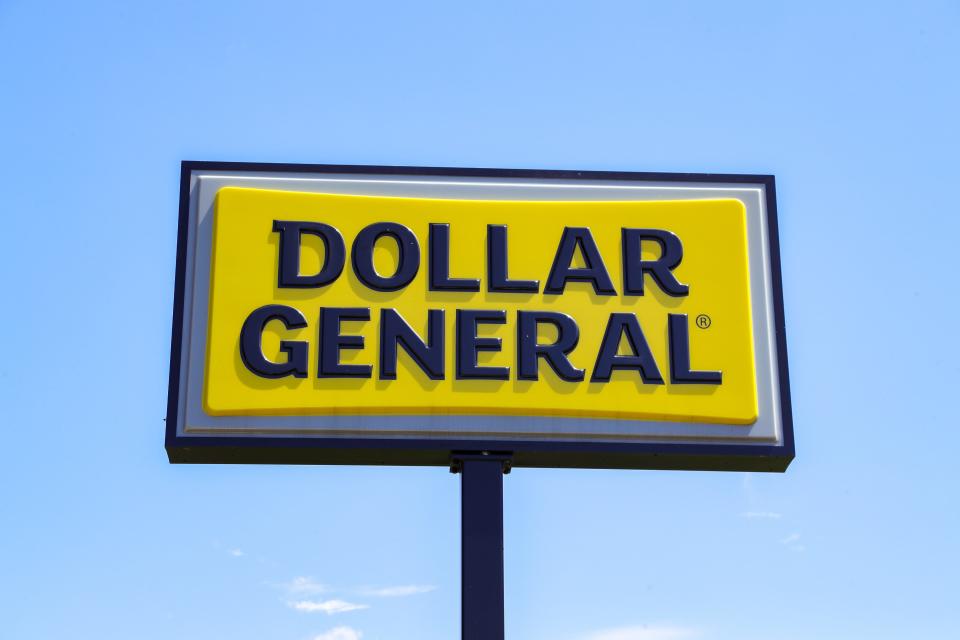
{"x": 439, "y": 451}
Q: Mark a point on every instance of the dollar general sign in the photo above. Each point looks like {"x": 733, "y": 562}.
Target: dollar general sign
{"x": 391, "y": 315}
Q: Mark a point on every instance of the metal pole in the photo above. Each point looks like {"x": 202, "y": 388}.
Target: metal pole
{"x": 481, "y": 522}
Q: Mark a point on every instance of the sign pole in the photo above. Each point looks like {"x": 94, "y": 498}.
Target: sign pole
{"x": 481, "y": 540}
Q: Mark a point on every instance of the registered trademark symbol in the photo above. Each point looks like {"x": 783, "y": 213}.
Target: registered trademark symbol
{"x": 704, "y": 321}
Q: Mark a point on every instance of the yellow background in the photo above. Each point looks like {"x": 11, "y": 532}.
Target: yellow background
{"x": 715, "y": 266}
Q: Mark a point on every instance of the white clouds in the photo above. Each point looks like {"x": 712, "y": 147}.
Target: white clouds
{"x": 328, "y": 607}
{"x": 301, "y": 595}
{"x": 236, "y": 553}
{"x": 761, "y": 515}
{"x": 792, "y": 542}
{"x": 340, "y": 633}
{"x": 303, "y": 585}
{"x": 644, "y": 632}
{"x": 398, "y": 591}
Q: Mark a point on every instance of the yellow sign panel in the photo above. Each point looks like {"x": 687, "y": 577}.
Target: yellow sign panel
{"x": 343, "y": 304}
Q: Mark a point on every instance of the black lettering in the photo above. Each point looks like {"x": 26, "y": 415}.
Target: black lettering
{"x": 595, "y": 272}
{"x": 251, "y": 345}
{"x": 428, "y": 355}
{"x": 671, "y": 253}
{"x": 439, "y": 258}
{"x": 407, "y": 265}
{"x": 332, "y": 342}
{"x": 529, "y": 351}
{"x": 497, "y": 278}
{"x": 641, "y": 360}
{"x": 469, "y": 345}
{"x": 291, "y": 234}
{"x": 680, "y": 372}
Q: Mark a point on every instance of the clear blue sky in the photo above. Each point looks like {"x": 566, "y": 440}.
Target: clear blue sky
{"x": 854, "y": 109}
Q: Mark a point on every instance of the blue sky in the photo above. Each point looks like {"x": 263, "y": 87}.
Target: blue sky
{"x": 854, "y": 109}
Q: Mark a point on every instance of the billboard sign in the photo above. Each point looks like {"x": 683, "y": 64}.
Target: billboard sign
{"x": 394, "y": 315}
